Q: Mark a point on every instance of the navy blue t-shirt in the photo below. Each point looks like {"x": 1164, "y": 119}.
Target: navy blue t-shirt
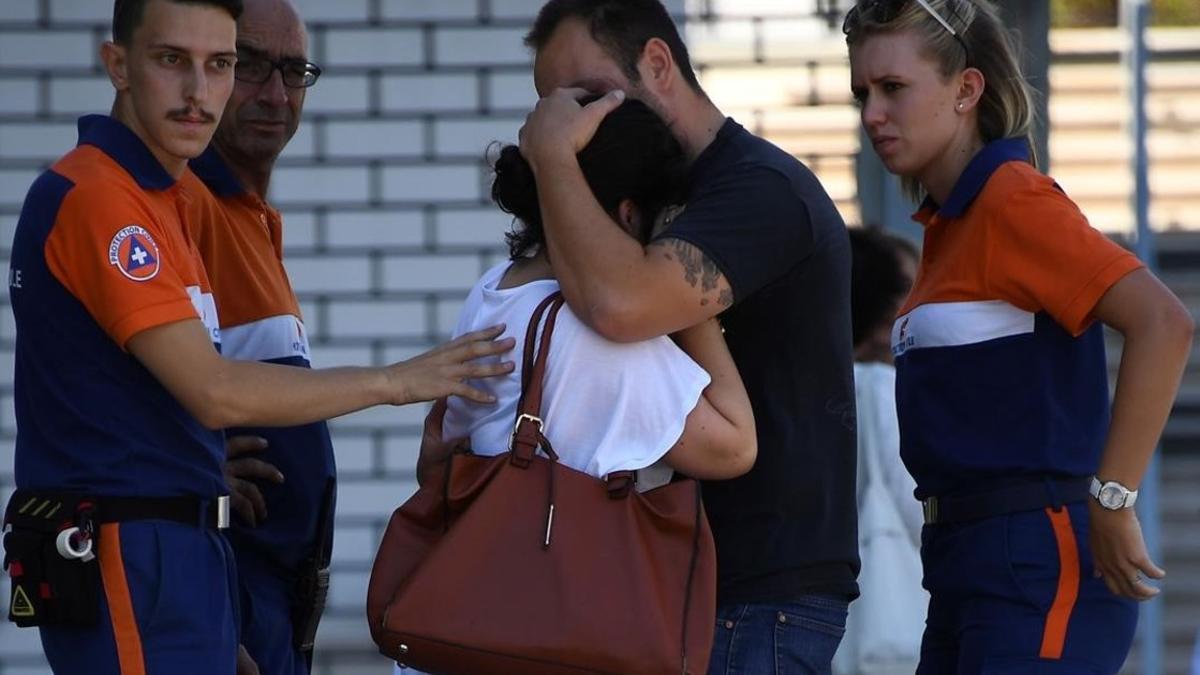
{"x": 789, "y": 526}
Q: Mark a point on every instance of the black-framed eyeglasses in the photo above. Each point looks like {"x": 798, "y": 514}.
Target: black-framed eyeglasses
{"x": 886, "y": 11}
{"x": 256, "y": 69}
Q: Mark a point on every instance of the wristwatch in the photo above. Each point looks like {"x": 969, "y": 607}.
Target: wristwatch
{"x": 1112, "y": 495}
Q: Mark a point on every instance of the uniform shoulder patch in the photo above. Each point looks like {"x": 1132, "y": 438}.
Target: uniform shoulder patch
{"x": 135, "y": 253}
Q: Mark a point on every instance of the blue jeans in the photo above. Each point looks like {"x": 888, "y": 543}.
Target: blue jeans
{"x": 790, "y": 638}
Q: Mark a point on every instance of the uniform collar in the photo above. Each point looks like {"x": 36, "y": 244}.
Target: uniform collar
{"x": 975, "y": 176}
{"x": 216, "y": 174}
{"x": 119, "y": 142}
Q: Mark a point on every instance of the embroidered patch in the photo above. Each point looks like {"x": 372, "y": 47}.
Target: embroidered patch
{"x": 134, "y": 252}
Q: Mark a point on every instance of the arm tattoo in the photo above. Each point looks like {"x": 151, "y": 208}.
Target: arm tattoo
{"x": 698, "y": 270}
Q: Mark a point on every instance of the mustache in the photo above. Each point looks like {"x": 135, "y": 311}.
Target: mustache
{"x": 185, "y": 113}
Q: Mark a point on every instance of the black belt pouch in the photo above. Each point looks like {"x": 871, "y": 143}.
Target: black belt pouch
{"x": 311, "y": 590}
{"x": 49, "y": 588}
{"x": 312, "y": 585}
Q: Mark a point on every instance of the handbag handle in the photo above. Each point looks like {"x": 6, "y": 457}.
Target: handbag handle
{"x": 527, "y": 434}
{"x": 527, "y": 429}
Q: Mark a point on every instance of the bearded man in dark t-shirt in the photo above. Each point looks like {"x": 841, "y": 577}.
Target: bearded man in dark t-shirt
{"x": 759, "y": 244}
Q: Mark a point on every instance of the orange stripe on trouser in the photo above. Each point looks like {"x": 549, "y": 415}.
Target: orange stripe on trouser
{"x": 120, "y": 603}
{"x": 1055, "y": 635}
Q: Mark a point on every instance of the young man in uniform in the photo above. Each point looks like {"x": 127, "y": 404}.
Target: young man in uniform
{"x": 761, "y": 245}
{"x": 115, "y": 548}
{"x": 283, "y": 539}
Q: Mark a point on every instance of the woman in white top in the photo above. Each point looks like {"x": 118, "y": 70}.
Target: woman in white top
{"x": 661, "y": 405}
{"x": 673, "y": 401}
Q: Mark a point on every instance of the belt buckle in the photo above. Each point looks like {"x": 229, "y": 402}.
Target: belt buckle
{"x": 930, "y": 509}
{"x": 222, "y": 514}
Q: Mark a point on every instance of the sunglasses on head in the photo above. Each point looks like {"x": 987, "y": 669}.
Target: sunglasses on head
{"x": 886, "y": 11}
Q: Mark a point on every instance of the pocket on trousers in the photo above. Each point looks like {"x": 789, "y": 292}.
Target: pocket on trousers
{"x": 145, "y": 565}
{"x": 1032, "y": 558}
{"x": 807, "y": 642}
{"x": 830, "y": 621}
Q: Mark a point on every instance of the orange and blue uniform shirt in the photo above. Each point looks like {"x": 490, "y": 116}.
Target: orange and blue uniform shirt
{"x": 1000, "y": 365}
{"x": 240, "y": 238}
{"x": 100, "y": 254}
{"x": 1001, "y": 376}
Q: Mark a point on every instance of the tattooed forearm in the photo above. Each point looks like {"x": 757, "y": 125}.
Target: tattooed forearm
{"x": 698, "y": 270}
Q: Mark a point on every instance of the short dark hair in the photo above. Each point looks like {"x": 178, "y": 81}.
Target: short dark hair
{"x": 621, "y": 27}
{"x": 632, "y": 156}
{"x": 877, "y": 281}
{"x": 127, "y": 15}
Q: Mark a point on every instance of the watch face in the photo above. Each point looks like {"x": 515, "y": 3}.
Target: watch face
{"x": 1111, "y": 496}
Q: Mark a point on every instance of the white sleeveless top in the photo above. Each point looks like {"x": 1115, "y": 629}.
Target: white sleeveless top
{"x": 607, "y": 406}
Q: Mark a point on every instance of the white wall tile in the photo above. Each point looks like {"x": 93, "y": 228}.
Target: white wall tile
{"x": 79, "y": 95}
{"x": 42, "y": 141}
{"x": 79, "y": 10}
{"x": 442, "y": 272}
{"x": 46, "y": 49}
{"x": 368, "y": 318}
{"x": 433, "y": 183}
{"x": 354, "y": 454}
{"x": 375, "y": 228}
{"x": 330, "y": 274}
{"x": 516, "y": 9}
{"x": 473, "y": 137}
{"x": 303, "y": 143}
{"x": 373, "y": 498}
{"x": 299, "y": 231}
{"x": 484, "y": 46}
{"x": 511, "y": 91}
{"x": 483, "y": 226}
{"x": 395, "y": 47}
{"x": 429, "y": 10}
{"x": 331, "y": 356}
{"x": 400, "y": 453}
{"x": 337, "y": 93}
{"x": 320, "y": 184}
{"x": 314, "y": 11}
{"x": 14, "y": 184}
{"x": 20, "y": 97}
{"x": 376, "y": 138}
{"x": 20, "y": 10}
{"x": 430, "y": 93}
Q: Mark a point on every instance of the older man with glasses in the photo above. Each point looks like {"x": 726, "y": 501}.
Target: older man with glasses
{"x": 283, "y": 534}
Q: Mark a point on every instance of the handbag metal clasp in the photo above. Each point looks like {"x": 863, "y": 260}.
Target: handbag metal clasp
{"x": 517, "y": 425}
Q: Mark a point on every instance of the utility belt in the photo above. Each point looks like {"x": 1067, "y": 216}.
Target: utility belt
{"x": 1027, "y": 495}
{"x": 50, "y": 544}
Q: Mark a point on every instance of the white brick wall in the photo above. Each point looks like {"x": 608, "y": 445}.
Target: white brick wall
{"x": 385, "y": 203}
{"x": 20, "y": 97}
{"x": 46, "y": 49}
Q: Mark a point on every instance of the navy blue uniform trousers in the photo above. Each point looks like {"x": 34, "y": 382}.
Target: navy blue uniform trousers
{"x": 1017, "y": 594}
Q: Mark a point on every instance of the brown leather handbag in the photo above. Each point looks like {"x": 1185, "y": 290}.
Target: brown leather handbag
{"x": 517, "y": 564}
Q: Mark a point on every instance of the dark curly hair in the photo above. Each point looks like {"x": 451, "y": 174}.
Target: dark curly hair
{"x": 632, "y": 156}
